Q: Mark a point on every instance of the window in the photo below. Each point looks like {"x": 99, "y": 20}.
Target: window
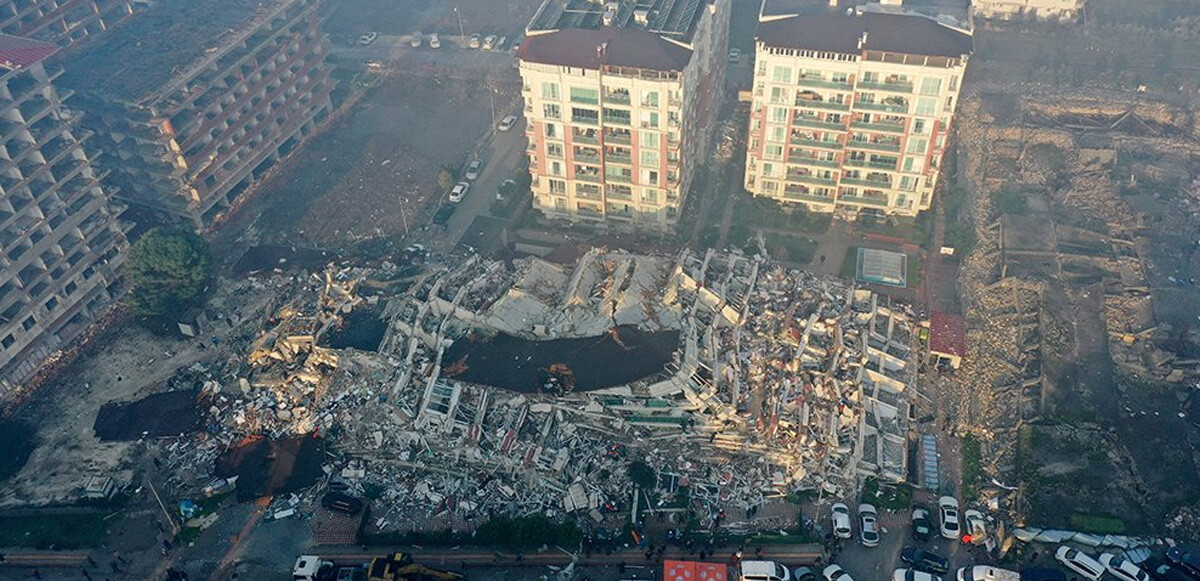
{"x": 649, "y": 176}
{"x": 650, "y": 98}
{"x": 581, "y": 95}
{"x": 779, "y": 115}
{"x": 931, "y": 86}
{"x": 554, "y": 150}
{"x": 7, "y": 341}
{"x": 650, "y": 158}
{"x": 778, "y": 133}
{"x": 914, "y": 165}
{"x": 770, "y": 186}
{"x": 782, "y": 75}
{"x": 778, "y": 95}
{"x": 550, "y": 91}
{"x": 840, "y": 78}
{"x": 649, "y": 139}
{"x": 926, "y": 106}
{"x": 954, "y": 83}
{"x": 28, "y": 323}
{"x": 949, "y": 104}
{"x": 51, "y": 304}
{"x": 650, "y": 196}
{"x": 917, "y": 146}
{"x": 919, "y": 127}
{"x": 649, "y": 119}
{"x": 558, "y": 187}
{"x": 551, "y": 111}
{"x": 552, "y": 131}
{"x": 774, "y": 151}
{"x": 585, "y": 116}
{"x": 768, "y": 169}
{"x": 908, "y": 183}
{"x": 901, "y": 200}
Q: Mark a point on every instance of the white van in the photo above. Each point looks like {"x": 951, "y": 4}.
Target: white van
{"x": 764, "y": 571}
{"x": 985, "y": 573}
{"x": 1080, "y": 562}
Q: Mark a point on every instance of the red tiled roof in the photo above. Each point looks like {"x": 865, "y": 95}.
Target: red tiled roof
{"x": 17, "y": 52}
{"x": 947, "y": 334}
{"x": 610, "y": 46}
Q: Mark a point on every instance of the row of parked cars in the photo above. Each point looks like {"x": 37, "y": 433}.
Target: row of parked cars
{"x": 968, "y": 526}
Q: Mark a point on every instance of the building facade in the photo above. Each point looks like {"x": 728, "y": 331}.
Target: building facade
{"x": 1060, "y": 10}
{"x": 621, "y": 100}
{"x": 60, "y": 239}
{"x": 61, "y": 21}
{"x": 195, "y": 99}
{"x": 851, "y": 112}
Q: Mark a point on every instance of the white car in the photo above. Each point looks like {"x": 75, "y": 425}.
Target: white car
{"x": 1122, "y": 569}
{"x": 459, "y": 192}
{"x": 975, "y": 527}
{"x": 913, "y": 575}
{"x": 434, "y": 41}
{"x": 1080, "y": 562}
{"x": 507, "y": 123}
{"x": 764, "y": 571}
{"x": 473, "y": 42}
{"x": 368, "y": 38}
{"x": 948, "y": 510}
{"x": 489, "y": 42}
{"x": 735, "y": 55}
{"x": 473, "y": 170}
{"x": 836, "y": 573}
{"x": 416, "y": 40}
{"x": 841, "y": 521}
{"x": 868, "y": 522}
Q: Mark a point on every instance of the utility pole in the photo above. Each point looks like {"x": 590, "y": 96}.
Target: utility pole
{"x": 459, "y": 17}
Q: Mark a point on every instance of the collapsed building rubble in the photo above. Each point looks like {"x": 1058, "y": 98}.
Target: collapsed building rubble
{"x": 781, "y": 381}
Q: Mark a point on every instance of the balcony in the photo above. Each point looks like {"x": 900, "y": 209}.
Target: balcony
{"x": 888, "y": 165}
{"x": 831, "y": 145}
{"x": 803, "y": 121}
{"x": 619, "y": 157}
{"x": 880, "y": 201}
{"x": 809, "y": 160}
{"x": 613, "y": 137}
{"x": 578, "y": 120}
{"x": 885, "y": 107}
{"x": 823, "y": 83}
{"x": 827, "y": 105}
{"x": 584, "y": 156}
{"x": 586, "y": 177}
{"x": 879, "y": 127}
{"x": 617, "y": 98}
{"x": 592, "y": 139}
{"x": 803, "y": 196}
{"x": 891, "y": 87}
{"x": 810, "y": 179}
{"x": 619, "y": 121}
{"x": 868, "y": 182}
{"x": 615, "y": 194}
{"x": 619, "y": 178}
{"x": 874, "y": 146}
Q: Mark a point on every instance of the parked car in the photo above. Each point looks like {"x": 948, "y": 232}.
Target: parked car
{"x": 913, "y": 575}
{"x": 836, "y": 573}
{"x": 368, "y": 38}
{"x": 924, "y": 560}
{"x": 764, "y": 571}
{"x": 841, "y": 521}
{"x": 342, "y": 502}
{"x": 473, "y": 169}
{"x": 501, "y": 42}
{"x": 473, "y": 42}
{"x": 505, "y": 186}
{"x": 459, "y": 191}
{"x": 975, "y": 527}
{"x": 922, "y": 524}
{"x": 804, "y": 574}
{"x": 1122, "y": 569}
{"x": 1184, "y": 560}
{"x": 416, "y": 40}
{"x": 985, "y": 573}
{"x": 868, "y": 525}
{"x": 434, "y": 41}
{"x": 1078, "y": 561}
{"x": 1043, "y": 574}
{"x": 489, "y": 42}
{"x": 507, "y": 123}
{"x": 948, "y": 511}
{"x": 735, "y": 55}
{"x": 1163, "y": 570}
{"x": 443, "y": 214}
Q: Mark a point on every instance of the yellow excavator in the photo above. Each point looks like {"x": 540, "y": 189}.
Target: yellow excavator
{"x": 400, "y": 567}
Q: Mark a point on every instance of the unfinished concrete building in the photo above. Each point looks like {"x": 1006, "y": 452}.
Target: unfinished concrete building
{"x": 60, "y": 240}
{"x": 194, "y": 100}
{"x": 61, "y": 21}
{"x": 621, "y": 99}
{"x": 1060, "y": 10}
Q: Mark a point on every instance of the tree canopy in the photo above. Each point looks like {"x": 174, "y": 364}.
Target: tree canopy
{"x": 166, "y": 270}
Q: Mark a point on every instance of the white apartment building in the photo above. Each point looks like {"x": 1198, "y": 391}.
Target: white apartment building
{"x": 851, "y": 111}
{"x": 620, "y": 102}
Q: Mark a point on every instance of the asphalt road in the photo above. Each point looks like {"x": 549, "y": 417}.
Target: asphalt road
{"x": 501, "y": 156}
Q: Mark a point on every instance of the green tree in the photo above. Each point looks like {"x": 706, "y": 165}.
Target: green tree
{"x": 642, "y": 475}
{"x": 167, "y": 270}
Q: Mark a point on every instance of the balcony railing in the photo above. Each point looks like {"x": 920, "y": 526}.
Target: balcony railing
{"x": 885, "y": 107}
{"x": 870, "y": 201}
{"x": 810, "y": 179}
{"x": 872, "y": 164}
{"x": 803, "y": 121}
{"x": 893, "y": 87}
{"x": 590, "y": 178}
{"x": 880, "y": 146}
{"x": 806, "y": 197}
{"x": 806, "y": 160}
{"x": 879, "y": 127}
{"x": 828, "y": 105}
{"x": 619, "y": 98}
{"x": 618, "y": 138}
{"x": 815, "y": 143}
{"x": 619, "y": 178}
{"x": 871, "y": 183}
{"x": 823, "y": 83}
{"x": 582, "y": 138}
{"x": 622, "y": 158}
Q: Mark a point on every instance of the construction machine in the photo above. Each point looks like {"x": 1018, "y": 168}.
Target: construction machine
{"x": 400, "y": 567}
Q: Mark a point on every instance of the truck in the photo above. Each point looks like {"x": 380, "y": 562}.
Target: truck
{"x": 400, "y": 567}
{"x": 312, "y": 568}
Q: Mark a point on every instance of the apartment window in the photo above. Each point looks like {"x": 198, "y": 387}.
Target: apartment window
{"x": 28, "y": 323}
{"x": 931, "y": 86}
{"x": 778, "y": 133}
{"x": 51, "y": 304}
{"x": 919, "y": 127}
{"x": 649, "y": 139}
{"x": 582, "y": 95}
{"x": 774, "y": 151}
{"x": 554, "y": 150}
{"x": 649, "y": 196}
{"x": 926, "y": 106}
{"x": 558, "y": 187}
{"x": 779, "y": 115}
{"x": 762, "y": 66}
{"x": 908, "y": 183}
{"x": 7, "y": 341}
{"x": 782, "y": 75}
{"x": 954, "y": 83}
{"x": 556, "y": 168}
{"x": 551, "y": 111}
{"x": 649, "y": 119}
{"x": 778, "y": 95}
{"x": 768, "y": 169}
{"x": 650, "y": 158}
{"x": 650, "y": 98}
{"x": 914, "y": 165}
{"x": 770, "y": 186}
{"x": 552, "y": 130}
{"x": 840, "y": 78}
{"x": 649, "y": 176}
{"x": 550, "y": 91}
{"x": 585, "y": 116}
{"x": 949, "y": 104}
{"x": 917, "y": 146}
